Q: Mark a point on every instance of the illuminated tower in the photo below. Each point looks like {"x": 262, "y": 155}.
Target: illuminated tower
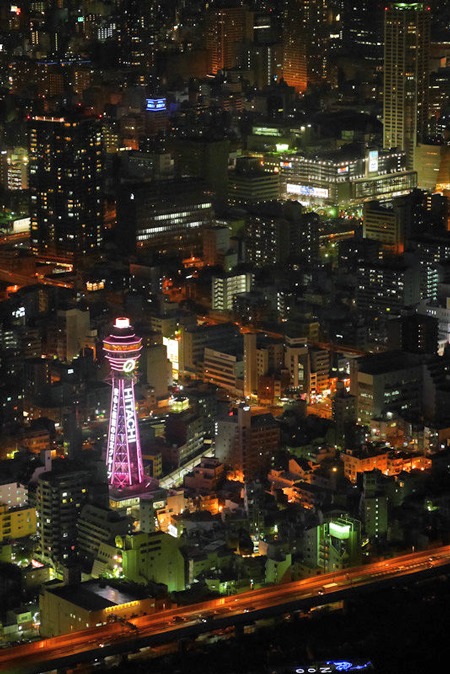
{"x": 406, "y": 76}
{"x": 124, "y": 458}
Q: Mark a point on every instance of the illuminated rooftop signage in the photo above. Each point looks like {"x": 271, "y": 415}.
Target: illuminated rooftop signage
{"x": 156, "y": 104}
{"x": 266, "y": 131}
{"x": 341, "y": 531}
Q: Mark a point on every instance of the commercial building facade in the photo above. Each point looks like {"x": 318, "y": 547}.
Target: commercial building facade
{"x": 344, "y": 178}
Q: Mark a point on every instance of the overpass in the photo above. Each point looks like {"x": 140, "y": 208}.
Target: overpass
{"x": 237, "y": 611}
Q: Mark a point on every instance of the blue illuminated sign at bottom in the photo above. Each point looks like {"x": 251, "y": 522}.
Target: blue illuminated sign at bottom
{"x": 334, "y": 666}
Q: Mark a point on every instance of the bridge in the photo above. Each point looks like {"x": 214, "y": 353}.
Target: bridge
{"x": 191, "y": 621}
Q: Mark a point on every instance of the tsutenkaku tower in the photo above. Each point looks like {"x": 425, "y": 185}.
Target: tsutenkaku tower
{"x": 123, "y": 455}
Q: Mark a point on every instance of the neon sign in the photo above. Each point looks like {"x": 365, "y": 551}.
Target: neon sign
{"x": 129, "y": 365}
{"x": 130, "y": 414}
{"x": 156, "y": 104}
{"x": 113, "y": 428}
{"x": 334, "y": 666}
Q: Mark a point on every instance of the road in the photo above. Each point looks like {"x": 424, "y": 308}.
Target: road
{"x": 217, "y": 319}
{"x": 22, "y": 280}
{"x": 192, "y": 620}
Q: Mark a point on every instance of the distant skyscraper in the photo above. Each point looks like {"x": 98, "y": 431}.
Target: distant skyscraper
{"x": 294, "y": 47}
{"x": 226, "y": 29}
{"x": 124, "y": 457}
{"x": 305, "y": 42}
{"x": 363, "y": 28}
{"x": 66, "y": 184}
{"x": 136, "y": 27}
{"x": 406, "y": 76}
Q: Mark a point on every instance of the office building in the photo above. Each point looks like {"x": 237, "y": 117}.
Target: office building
{"x": 66, "y": 184}
{"x": 249, "y": 183}
{"x": 385, "y": 224}
{"x": 194, "y": 340}
{"x": 153, "y": 557}
{"x": 224, "y": 368}
{"x": 386, "y": 383}
{"x": 373, "y": 507}
{"x": 165, "y": 216}
{"x": 297, "y": 363}
{"x": 406, "y": 76}
{"x": 347, "y": 176}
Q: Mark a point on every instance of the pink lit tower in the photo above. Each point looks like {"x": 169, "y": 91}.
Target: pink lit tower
{"x": 124, "y": 457}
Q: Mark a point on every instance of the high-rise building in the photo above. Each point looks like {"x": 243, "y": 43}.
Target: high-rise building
{"x": 294, "y": 48}
{"x": 363, "y": 29}
{"x": 226, "y": 30}
{"x": 135, "y": 30}
{"x": 276, "y": 231}
{"x": 167, "y": 216}
{"x": 124, "y": 457}
{"x": 305, "y": 42}
{"x": 384, "y": 223}
{"x": 66, "y": 184}
{"x": 247, "y": 443}
{"x": 60, "y": 495}
{"x": 386, "y": 288}
{"x": 250, "y": 364}
{"x": 406, "y": 76}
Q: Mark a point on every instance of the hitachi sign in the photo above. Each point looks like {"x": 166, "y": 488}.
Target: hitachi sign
{"x": 130, "y": 414}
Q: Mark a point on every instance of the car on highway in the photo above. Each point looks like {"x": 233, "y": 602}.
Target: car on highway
{"x": 178, "y": 619}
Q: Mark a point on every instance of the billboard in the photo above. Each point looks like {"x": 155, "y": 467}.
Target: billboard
{"x": 306, "y": 190}
{"x": 373, "y": 161}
